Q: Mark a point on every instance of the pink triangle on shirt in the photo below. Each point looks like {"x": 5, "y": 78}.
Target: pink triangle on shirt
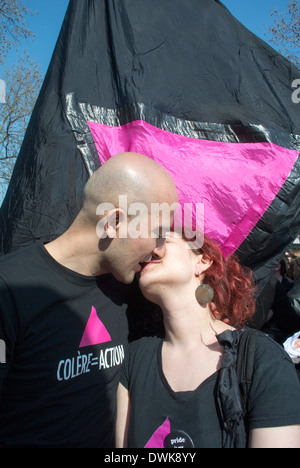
{"x": 95, "y": 332}
{"x": 158, "y": 438}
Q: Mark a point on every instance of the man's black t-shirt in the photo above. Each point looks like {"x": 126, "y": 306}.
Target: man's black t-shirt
{"x": 160, "y": 417}
{"x": 64, "y": 337}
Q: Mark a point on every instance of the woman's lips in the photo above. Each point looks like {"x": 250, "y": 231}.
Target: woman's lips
{"x": 144, "y": 265}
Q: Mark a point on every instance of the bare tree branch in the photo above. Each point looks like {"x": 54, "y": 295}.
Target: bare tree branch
{"x": 23, "y": 82}
{"x": 13, "y": 25}
{"x": 285, "y": 31}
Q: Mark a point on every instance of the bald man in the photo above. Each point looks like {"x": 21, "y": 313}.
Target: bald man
{"x": 63, "y": 307}
{"x": 137, "y": 181}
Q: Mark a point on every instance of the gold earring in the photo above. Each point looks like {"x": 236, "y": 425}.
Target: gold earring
{"x": 204, "y": 294}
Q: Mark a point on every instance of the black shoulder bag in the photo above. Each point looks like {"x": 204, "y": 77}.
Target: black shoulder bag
{"x": 234, "y": 384}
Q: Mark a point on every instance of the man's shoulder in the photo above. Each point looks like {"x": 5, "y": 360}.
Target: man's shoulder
{"x": 20, "y": 260}
{"x": 21, "y": 253}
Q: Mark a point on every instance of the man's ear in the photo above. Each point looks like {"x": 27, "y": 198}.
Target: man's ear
{"x": 114, "y": 220}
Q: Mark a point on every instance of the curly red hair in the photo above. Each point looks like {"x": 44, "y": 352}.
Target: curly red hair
{"x": 232, "y": 283}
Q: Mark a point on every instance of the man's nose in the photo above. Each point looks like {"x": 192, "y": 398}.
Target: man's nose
{"x": 160, "y": 248}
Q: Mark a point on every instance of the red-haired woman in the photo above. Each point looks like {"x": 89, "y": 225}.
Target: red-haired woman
{"x": 175, "y": 391}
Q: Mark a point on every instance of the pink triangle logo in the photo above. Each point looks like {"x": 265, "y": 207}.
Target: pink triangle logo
{"x": 158, "y": 438}
{"x": 95, "y": 332}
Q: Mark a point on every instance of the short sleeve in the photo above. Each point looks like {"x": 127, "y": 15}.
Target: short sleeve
{"x": 275, "y": 390}
{"x": 124, "y": 374}
{"x": 8, "y": 328}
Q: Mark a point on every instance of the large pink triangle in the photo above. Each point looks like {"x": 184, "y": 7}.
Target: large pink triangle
{"x": 158, "y": 438}
{"x": 95, "y": 332}
{"x": 241, "y": 172}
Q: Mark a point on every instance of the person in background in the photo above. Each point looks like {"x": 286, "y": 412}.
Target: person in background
{"x": 292, "y": 347}
{"x": 283, "y": 319}
{"x": 293, "y": 268}
{"x": 280, "y": 274}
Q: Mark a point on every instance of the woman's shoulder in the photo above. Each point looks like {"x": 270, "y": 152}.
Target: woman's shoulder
{"x": 144, "y": 344}
{"x": 267, "y": 348}
{"x": 272, "y": 366}
{"x": 275, "y": 390}
{"x": 141, "y": 355}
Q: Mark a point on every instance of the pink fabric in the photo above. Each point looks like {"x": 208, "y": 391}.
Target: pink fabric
{"x": 157, "y": 440}
{"x": 95, "y": 332}
{"x": 236, "y": 182}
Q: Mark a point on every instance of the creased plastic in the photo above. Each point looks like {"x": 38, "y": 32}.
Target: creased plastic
{"x": 187, "y": 70}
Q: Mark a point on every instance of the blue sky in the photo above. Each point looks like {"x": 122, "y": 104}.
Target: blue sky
{"x": 254, "y": 14}
{"x": 46, "y": 26}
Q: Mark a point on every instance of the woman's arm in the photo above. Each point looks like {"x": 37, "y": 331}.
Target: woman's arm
{"x": 123, "y": 407}
{"x": 275, "y": 437}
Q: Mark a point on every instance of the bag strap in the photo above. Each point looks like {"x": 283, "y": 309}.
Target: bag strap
{"x": 245, "y": 364}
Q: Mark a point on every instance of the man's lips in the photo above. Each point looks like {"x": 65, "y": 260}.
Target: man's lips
{"x": 144, "y": 265}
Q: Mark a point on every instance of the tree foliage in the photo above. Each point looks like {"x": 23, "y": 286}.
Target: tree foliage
{"x": 285, "y": 31}
{"x": 23, "y": 82}
{"x": 20, "y": 86}
{"x": 12, "y": 25}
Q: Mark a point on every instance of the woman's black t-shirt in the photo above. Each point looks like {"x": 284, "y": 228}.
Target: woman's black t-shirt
{"x": 160, "y": 417}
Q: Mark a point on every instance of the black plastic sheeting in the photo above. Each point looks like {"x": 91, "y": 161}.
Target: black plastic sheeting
{"x": 170, "y": 61}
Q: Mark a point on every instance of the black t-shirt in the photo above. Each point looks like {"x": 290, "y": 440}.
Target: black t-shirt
{"x": 159, "y": 415}
{"x": 65, "y": 336}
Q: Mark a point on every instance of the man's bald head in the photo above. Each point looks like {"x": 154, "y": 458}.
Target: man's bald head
{"x": 138, "y": 177}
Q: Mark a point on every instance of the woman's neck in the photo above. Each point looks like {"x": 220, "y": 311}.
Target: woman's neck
{"x": 188, "y": 324}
